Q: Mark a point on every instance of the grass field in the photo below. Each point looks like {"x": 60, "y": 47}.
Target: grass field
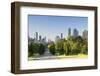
{"x": 58, "y": 57}
{"x": 73, "y": 56}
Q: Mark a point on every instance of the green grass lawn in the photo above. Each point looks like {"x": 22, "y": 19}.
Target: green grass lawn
{"x": 73, "y": 56}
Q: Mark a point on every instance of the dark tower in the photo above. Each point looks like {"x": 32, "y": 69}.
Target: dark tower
{"x": 40, "y": 38}
{"x": 75, "y": 32}
{"x": 69, "y": 32}
{"x": 36, "y": 36}
{"x": 61, "y": 35}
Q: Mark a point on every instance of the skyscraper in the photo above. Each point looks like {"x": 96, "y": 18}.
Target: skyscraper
{"x": 69, "y": 32}
{"x": 45, "y": 39}
{"x": 36, "y": 36}
{"x": 85, "y": 34}
{"x": 61, "y": 35}
{"x": 40, "y": 38}
{"x": 75, "y": 32}
{"x": 57, "y": 38}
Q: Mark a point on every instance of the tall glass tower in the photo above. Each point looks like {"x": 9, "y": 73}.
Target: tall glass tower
{"x": 75, "y": 33}
{"x": 69, "y": 32}
{"x": 61, "y": 35}
{"x": 36, "y": 36}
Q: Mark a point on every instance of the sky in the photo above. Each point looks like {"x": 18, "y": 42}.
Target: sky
{"x": 52, "y": 26}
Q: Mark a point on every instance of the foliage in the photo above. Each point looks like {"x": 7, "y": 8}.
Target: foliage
{"x": 52, "y": 49}
{"x": 41, "y": 49}
{"x": 36, "y": 49}
{"x": 30, "y": 49}
{"x": 59, "y": 47}
{"x": 70, "y": 46}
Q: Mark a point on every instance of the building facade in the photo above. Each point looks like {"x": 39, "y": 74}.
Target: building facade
{"x": 69, "y": 32}
{"x": 85, "y": 34}
{"x": 75, "y": 33}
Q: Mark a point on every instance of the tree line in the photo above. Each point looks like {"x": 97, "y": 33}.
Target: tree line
{"x": 35, "y": 49}
{"x": 70, "y": 46}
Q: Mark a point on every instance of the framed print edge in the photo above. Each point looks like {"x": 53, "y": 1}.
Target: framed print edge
{"x": 15, "y": 37}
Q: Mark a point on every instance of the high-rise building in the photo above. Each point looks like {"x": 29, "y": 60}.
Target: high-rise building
{"x": 36, "y": 36}
{"x": 44, "y": 39}
{"x": 57, "y": 38}
{"x": 69, "y": 32}
{"x": 61, "y": 35}
{"x": 40, "y": 38}
{"x": 75, "y": 33}
{"x": 85, "y": 34}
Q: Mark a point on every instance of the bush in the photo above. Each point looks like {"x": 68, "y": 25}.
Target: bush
{"x": 59, "y": 47}
{"x": 30, "y": 49}
{"x": 52, "y": 49}
{"x": 41, "y": 49}
{"x": 35, "y": 49}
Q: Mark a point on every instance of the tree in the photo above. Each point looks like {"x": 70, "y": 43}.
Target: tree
{"x": 79, "y": 43}
{"x": 75, "y": 48}
{"x": 41, "y": 49}
{"x": 59, "y": 47}
{"x": 30, "y": 49}
{"x": 36, "y": 49}
{"x": 71, "y": 46}
{"x": 67, "y": 47}
{"x": 85, "y": 47}
{"x": 74, "y": 44}
{"x": 52, "y": 49}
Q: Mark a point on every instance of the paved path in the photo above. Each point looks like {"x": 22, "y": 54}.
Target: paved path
{"x": 47, "y": 52}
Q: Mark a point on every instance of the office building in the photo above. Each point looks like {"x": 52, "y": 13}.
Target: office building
{"x": 69, "y": 32}
{"x": 85, "y": 34}
{"x": 75, "y": 33}
{"x": 61, "y": 35}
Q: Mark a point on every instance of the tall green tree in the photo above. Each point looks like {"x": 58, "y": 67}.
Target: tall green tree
{"x": 41, "y": 49}
{"x": 59, "y": 47}
{"x": 52, "y": 49}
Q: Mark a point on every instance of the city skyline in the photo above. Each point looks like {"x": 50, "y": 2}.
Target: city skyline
{"x": 52, "y": 26}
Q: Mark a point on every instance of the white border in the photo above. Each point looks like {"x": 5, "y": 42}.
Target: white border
{"x": 25, "y": 64}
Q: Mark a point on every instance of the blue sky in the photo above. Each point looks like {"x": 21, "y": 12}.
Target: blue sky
{"x": 52, "y": 26}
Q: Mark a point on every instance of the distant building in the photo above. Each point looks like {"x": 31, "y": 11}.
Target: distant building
{"x": 36, "y": 35}
{"x": 75, "y": 33}
{"x": 44, "y": 39}
{"x": 50, "y": 41}
{"x": 57, "y": 38}
{"x": 40, "y": 38}
{"x": 30, "y": 40}
{"x": 69, "y": 32}
{"x": 61, "y": 35}
{"x": 85, "y": 34}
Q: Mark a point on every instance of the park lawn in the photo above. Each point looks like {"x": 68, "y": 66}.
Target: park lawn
{"x": 59, "y": 57}
{"x": 73, "y": 56}
{"x": 82, "y": 56}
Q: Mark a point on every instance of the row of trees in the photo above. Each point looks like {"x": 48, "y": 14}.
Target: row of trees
{"x": 35, "y": 49}
{"x": 71, "y": 46}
